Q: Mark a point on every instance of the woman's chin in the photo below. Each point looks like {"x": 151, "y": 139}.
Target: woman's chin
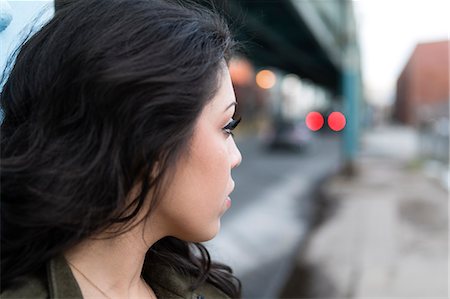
{"x": 212, "y": 233}
{"x": 206, "y": 234}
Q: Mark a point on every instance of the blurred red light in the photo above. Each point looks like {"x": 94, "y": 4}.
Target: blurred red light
{"x": 314, "y": 121}
{"x": 336, "y": 121}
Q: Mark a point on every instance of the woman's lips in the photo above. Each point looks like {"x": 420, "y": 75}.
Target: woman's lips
{"x": 232, "y": 187}
{"x": 228, "y": 199}
{"x": 228, "y": 202}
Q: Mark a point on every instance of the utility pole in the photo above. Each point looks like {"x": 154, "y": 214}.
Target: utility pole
{"x": 350, "y": 88}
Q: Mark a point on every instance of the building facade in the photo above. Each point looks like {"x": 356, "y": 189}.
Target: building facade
{"x": 423, "y": 86}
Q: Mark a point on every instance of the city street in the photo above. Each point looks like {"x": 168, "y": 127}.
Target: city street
{"x": 270, "y": 211}
{"x": 350, "y": 200}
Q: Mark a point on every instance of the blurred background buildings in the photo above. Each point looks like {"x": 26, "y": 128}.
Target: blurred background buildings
{"x": 422, "y": 99}
{"x": 423, "y": 86}
{"x": 355, "y": 213}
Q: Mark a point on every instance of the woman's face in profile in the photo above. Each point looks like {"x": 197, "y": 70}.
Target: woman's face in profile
{"x": 198, "y": 194}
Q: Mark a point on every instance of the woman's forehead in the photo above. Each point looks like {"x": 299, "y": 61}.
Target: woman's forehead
{"x": 225, "y": 97}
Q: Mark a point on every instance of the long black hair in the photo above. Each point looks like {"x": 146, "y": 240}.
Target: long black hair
{"x": 104, "y": 90}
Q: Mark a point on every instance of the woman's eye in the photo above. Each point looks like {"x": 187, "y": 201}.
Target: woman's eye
{"x": 231, "y": 126}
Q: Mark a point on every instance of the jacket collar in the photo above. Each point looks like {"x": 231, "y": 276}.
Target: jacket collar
{"x": 61, "y": 282}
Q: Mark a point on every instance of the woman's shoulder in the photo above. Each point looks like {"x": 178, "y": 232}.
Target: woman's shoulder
{"x": 31, "y": 286}
{"x": 168, "y": 283}
{"x": 54, "y": 281}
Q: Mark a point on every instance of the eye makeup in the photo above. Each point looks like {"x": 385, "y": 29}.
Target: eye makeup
{"x": 231, "y": 126}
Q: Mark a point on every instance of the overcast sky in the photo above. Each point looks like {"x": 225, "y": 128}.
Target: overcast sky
{"x": 389, "y": 31}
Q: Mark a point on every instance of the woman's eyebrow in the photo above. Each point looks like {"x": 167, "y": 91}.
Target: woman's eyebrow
{"x": 231, "y": 105}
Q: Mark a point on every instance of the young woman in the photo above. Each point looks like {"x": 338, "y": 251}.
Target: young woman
{"x": 116, "y": 154}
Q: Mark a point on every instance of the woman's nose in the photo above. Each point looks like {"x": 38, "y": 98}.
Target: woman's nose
{"x": 236, "y": 157}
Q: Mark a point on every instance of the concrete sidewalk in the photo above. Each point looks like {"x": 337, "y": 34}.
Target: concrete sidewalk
{"x": 386, "y": 235}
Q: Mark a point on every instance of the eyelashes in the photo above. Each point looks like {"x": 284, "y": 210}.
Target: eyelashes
{"x": 231, "y": 126}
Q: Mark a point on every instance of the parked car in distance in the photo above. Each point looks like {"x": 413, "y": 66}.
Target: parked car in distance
{"x": 288, "y": 136}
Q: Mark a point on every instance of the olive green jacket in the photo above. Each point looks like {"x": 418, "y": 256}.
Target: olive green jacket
{"x": 60, "y": 283}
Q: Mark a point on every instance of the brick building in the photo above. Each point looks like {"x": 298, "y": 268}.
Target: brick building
{"x": 423, "y": 86}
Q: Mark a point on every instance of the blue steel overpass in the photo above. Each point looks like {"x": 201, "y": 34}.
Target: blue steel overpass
{"x": 314, "y": 39}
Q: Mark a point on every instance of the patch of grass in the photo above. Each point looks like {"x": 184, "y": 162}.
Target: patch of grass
{"x": 415, "y": 164}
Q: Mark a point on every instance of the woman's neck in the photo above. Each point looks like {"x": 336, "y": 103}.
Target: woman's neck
{"x": 111, "y": 267}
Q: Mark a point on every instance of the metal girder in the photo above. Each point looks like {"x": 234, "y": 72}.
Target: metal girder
{"x": 276, "y": 34}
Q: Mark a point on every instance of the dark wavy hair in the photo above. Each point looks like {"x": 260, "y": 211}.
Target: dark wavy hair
{"x": 95, "y": 98}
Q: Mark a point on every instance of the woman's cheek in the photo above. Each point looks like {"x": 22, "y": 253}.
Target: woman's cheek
{"x": 216, "y": 172}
